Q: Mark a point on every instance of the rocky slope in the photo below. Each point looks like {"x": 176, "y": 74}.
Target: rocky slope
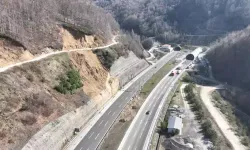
{"x": 41, "y": 95}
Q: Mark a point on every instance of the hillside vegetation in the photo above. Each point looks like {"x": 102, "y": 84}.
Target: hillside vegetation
{"x": 166, "y": 19}
{"x": 35, "y": 94}
{"x": 38, "y": 24}
{"x": 230, "y": 59}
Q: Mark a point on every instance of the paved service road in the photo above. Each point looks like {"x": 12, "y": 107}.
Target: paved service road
{"x": 101, "y": 127}
{"x": 135, "y": 138}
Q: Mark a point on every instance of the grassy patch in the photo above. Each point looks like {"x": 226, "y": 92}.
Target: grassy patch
{"x": 158, "y": 55}
{"x": 156, "y": 78}
{"x": 174, "y": 98}
{"x": 187, "y": 78}
{"x": 240, "y": 126}
{"x": 70, "y": 82}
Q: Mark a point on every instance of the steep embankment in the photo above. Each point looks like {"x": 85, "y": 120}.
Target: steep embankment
{"x": 61, "y": 92}
{"x": 40, "y": 26}
{"x": 29, "y": 99}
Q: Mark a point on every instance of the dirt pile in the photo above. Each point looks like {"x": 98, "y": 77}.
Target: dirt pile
{"x": 72, "y": 39}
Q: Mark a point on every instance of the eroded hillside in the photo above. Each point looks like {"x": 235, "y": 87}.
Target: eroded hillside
{"x": 42, "y": 26}
{"x": 57, "y": 93}
{"x": 30, "y": 98}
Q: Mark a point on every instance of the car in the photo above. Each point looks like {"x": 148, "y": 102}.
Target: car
{"x": 147, "y": 112}
{"x": 177, "y": 72}
{"x": 171, "y": 74}
{"x": 178, "y": 68}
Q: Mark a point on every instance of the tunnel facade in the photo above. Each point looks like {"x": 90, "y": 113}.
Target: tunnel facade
{"x": 194, "y": 54}
{"x": 190, "y": 57}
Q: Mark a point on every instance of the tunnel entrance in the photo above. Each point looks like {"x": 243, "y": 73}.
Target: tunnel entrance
{"x": 190, "y": 57}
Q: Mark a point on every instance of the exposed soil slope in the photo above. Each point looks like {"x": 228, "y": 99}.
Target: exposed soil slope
{"x": 29, "y": 100}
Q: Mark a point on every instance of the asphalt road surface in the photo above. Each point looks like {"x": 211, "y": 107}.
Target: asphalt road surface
{"x": 139, "y": 131}
{"x": 93, "y": 138}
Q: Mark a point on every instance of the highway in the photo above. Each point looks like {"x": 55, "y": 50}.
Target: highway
{"x": 138, "y": 135}
{"x": 98, "y": 131}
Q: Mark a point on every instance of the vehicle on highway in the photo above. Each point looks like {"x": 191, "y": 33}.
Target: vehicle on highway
{"x": 178, "y": 68}
{"x": 178, "y": 72}
{"x": 171, "y": 74}
{"x": 147, "y": 112}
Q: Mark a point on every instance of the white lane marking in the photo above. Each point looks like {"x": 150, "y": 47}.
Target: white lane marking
{"x": 120, "y": 105}
{"x": 141, "y": 121}
{"x": 81, "y": 148}
{"x": 129, "y": 147}
{"x": 113, "y": 114}
{"x": 144, "y": 128}
{"x": 106, "y": 123}
{"x": 141, "y": 134}
{"x": 91, "y": 135}
{"x": 109, "y": 112}
{"x": 100, "y": 122}
{"x": 97, "y": 136}
{"x": 154, "y": 105}
{"x": 135, "y": 134}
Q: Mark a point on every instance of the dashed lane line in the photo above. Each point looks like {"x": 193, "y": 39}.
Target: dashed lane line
{"x": 91, "y": 135}
{"x": 97, "y": 136}
{"x": 100, "y": 122}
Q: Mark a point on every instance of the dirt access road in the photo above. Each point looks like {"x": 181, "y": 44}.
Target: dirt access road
{"x": 219, "y": 118}
{"x": 114, "y": 42}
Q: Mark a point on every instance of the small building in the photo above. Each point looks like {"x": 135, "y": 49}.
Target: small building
{"x": 165, "y": 48}
{"x": 174, "y": 123}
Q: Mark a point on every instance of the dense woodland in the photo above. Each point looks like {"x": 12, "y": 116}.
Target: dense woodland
{"x": 230, "y": 58}
{"x": 168, "y": 19}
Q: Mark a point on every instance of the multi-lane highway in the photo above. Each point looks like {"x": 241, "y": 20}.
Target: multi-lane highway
{"x": 93, "y": 138}
{"x": 138, "y": 135}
